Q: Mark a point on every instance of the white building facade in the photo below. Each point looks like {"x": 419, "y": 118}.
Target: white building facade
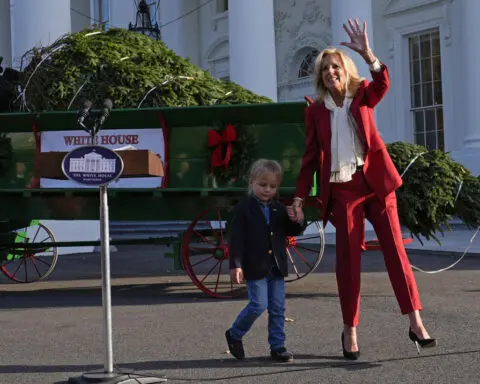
{"x": 268, "y": 46}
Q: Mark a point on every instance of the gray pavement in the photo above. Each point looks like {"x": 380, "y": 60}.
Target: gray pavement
{"x": 454, "y": 242}
{"x": 164, "y": 326}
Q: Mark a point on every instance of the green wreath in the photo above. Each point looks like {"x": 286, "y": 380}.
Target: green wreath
{"x": 241, "y": 156}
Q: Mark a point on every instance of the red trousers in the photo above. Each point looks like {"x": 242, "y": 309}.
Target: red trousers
{"x": 352, "y": 203}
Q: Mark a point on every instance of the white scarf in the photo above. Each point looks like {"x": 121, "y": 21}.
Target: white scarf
{"x": 347, "y": 151}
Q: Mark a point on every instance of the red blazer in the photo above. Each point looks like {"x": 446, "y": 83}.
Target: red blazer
{"x": 379, "y": 169}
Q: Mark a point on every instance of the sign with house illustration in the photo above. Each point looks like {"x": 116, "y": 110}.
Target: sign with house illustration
{"x": 92, "y": 165}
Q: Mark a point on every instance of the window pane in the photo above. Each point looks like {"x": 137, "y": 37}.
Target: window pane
{"x": 431, "y": 140}
{"x": 222, "y": 6}
{"x": 308, "y": 64}
{"x": 440, "y": 119}
{"x": 437, "y": 68}
{"x": 416, "y": 98}
{"x": 427, "y": 94}
{"x": 420, "y": 139}
{"x": 441, "y": 140}
{"x": 425, "y": 46}
{"x": 419, "y": 123}
{"x": 413, "y": 47}
{"x": 430, "y": 120}
{"x": 435, "y": 44}
{"x": 415, "y": 72}
{"x": 426, "y": 70}
{"x": 437, "y": 92}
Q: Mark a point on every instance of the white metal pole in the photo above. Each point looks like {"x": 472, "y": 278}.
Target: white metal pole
{"x": 106, "y": 282}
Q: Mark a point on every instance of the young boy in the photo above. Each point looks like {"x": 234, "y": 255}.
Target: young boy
{"x": 258, "y": 255}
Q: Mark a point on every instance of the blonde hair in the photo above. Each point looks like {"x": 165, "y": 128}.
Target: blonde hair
{"x": 353, "y": 78}
{"x": 262, "y": 166}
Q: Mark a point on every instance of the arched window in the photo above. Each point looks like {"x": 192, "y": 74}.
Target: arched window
{"x": 218, "y": 59}
{"x": 307, "y": 64}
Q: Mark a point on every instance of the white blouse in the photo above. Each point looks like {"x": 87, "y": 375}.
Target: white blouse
{"x": 346, "y": 148}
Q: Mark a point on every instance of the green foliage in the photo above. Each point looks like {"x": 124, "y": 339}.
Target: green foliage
{"x": 124, "y": 66}
{"x": 426, "y": 201}
{"x": 467, "y": 206}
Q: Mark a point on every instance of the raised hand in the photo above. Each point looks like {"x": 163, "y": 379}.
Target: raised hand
{"x": 358, "y": 37}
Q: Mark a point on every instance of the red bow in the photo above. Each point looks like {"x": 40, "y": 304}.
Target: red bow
{"x": 216, "y": 141}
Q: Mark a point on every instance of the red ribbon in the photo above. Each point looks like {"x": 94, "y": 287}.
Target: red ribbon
{"x": 217, "y": 140}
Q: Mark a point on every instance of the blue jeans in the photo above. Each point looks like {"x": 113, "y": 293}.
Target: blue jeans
{"x": 267, "y": 293}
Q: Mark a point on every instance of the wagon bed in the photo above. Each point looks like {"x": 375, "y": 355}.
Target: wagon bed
{"x": 190, "y": 195}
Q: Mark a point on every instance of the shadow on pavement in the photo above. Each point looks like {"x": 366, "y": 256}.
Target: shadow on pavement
{"x": 296, "y": 366}
{"x": 131, "y": 295}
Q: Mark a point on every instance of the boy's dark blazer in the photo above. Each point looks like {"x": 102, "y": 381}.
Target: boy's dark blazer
{"x": 255, "y": 245}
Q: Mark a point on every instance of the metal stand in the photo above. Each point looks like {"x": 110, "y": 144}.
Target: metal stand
{"x": 108, "y": 375}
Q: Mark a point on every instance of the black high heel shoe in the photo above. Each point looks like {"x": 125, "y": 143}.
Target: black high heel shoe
{"x": 424, "y": 343}
{"x": 349, "y": 355}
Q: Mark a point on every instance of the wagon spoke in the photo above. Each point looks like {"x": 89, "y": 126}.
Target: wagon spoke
{"x": 302, "y": 257}
{"x": 36, "y": 234}
{"x": 32, "y": 259}
{"x": 308, "y": 237}
{"x": 202, "y": 261}
{"x": 218, "y": 276}
{"x": 25, "y": 267}
{"x": 20, "y": 266}
{"x": 293, "y": 263}
{"x": 208, "y": 273}
{"x": 203, "y": 237}
{"x": 306, "y": 248}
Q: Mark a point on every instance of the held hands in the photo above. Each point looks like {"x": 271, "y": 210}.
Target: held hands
{"x": 358, "y": 40}
{"x": 236, "y": 275}
{"x": 295, "y": 213}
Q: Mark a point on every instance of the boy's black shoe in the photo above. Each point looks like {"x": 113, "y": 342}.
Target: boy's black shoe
{"x": 281, "y": 355}
{"x": 235, "y": 346}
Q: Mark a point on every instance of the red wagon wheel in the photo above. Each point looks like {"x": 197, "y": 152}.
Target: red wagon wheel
{"x": 24, "y": 265}
{"x": 205, "y": 253}
{"x": 305, "y": 252}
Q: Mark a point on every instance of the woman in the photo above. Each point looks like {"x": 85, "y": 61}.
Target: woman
{"x": 357, "y": 180}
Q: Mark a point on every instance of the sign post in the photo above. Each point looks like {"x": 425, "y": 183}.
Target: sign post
{"x": 95, "y": 165}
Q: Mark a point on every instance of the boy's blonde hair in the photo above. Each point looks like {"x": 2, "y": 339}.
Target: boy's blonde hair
{"x": 353, "y": 78}
{"x": 262, "y": 166}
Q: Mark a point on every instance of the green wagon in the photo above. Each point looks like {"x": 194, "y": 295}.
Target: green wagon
{"x": 191, "y": 193}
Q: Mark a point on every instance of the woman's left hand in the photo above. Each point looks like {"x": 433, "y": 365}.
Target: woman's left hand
{"x": 358, "y": 37}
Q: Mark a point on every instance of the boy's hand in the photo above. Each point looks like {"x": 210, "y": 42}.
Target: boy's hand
{"x": 236, "y": 275}
{"x": 295, "y": 214}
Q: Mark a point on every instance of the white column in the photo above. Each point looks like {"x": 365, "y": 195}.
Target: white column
{"x": 5, "y": 41}
{"x": 180, "y": 28}
{"x": 342, "y": 10}
{"x": 252, "y": 46}
{"x": 467, "y": 123}
{"x": 470, "y": 17}
{"x": 37, "y": 23}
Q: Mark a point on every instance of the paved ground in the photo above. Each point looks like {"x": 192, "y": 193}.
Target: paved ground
{"x": 162, "y": 325}
{"x": 451, "y": 243}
